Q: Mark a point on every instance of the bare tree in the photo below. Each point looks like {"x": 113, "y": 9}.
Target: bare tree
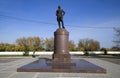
{"x": 30, "y": 44}
{"x": 117, "y": 38}
{"x": 72, "y": 46}
{"x": 49, "y": 44}
{"x": 23, "y": 42}
{"x": 88, "y": 44}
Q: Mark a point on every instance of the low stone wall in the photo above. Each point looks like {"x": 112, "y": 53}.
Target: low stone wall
{"x": 51, "y": 52}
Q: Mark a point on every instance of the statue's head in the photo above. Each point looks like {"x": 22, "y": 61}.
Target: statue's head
{"x": 59, "y": 7}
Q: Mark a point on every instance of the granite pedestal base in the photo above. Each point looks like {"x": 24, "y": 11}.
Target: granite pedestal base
{"x": 43, "y": 65}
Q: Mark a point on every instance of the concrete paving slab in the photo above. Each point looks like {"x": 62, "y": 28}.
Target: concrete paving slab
{"x": 46, "y": 75}
{"x": 5, "y": 74}
{"x": 22, "y": 75}
{"x": 8, "y": 70}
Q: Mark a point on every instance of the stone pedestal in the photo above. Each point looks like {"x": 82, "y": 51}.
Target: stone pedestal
{"x": 61, "y": 61}
{"x": 61, "y": 54}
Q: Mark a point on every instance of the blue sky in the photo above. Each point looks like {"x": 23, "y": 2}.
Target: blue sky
{"x": 92, "y": 19}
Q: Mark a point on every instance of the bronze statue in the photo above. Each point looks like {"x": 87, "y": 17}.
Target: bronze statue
{"x": 60, "y": 13}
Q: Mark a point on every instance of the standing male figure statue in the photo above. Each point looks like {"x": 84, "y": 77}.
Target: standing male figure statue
{"x": 60, "y": 13}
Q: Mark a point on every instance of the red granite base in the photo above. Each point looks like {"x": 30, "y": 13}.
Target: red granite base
{"x": 81, "y": 66}
{"x": 61, "y": 58}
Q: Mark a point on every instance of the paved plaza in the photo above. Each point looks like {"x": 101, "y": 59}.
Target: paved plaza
{"x": 9, "y": 65}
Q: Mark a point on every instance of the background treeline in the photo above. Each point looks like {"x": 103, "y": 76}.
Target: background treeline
{"x": 27, "y": 44}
